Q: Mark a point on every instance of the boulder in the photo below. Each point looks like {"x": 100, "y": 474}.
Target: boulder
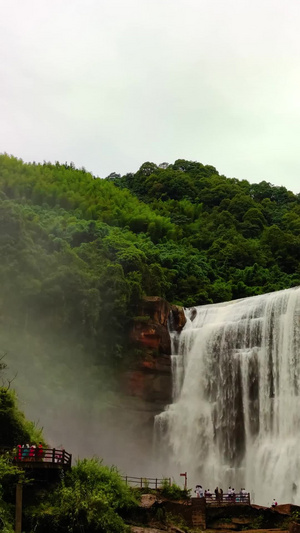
{"x": 177, "y": 318}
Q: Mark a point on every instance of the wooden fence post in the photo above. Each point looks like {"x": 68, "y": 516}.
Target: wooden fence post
{"x": 18, "y": 515}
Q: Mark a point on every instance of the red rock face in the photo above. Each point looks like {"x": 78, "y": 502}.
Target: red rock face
{"x": 156, "y": 308}
{"x": 151, "y": 335}
{"x": 146, "y": 385}
{"x": 149, "y": 377}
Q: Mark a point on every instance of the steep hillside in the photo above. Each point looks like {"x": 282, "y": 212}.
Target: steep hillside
{"x": 82, "y": 251}
{"x": 78, "y": 254}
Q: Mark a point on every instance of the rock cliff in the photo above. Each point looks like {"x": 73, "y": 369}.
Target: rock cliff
{"x": 147, "y": 380}
{"x": 149, "y": 377}
{"x": 145, "y": 388}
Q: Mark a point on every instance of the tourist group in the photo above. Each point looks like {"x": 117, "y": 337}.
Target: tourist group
{"x": 33, "y": 452}
{"x": 27, "y": 452}
{"x": 219, "y": 496}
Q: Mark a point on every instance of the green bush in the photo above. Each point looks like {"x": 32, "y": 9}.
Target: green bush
{"x": 257, "y": 522}
{"x": 15, "y": 429}
{"x": 174, "y": 492}
{"x": 92, "y": 498}
{"x": 8, "y": 477}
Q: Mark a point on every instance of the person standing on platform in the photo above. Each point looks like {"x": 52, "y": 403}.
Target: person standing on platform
{"x": 217, "y": 494}
{"x": 32, "y": 452}
{"x": 197, "y": 491}
{"x": 40, "y": 452}
{"x": 25, "y": 452}
{"x": 19, "y": 453}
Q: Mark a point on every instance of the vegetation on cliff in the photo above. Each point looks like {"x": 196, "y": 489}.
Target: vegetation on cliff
{"x": 14, "y": 429}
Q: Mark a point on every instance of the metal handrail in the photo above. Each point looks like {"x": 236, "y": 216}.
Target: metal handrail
{"x": 146, "y": 482}
{"x": 226, "y": 498}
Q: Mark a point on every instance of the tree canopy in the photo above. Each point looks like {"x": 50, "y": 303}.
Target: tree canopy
{"x": 78, "y": 252}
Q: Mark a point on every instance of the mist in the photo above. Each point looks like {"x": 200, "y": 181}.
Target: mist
{"x": 77, "y": 402}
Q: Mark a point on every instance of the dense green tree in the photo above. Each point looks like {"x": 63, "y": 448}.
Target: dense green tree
{"x": 78, "y": 253}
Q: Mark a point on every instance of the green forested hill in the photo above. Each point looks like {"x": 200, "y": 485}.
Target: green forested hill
{"x": 247, "y": 233}
{"x": 77, "y": 253}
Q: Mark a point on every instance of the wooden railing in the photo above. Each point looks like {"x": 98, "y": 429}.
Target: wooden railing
{"x": 38, "y": 456}
{"x": 226, "y": 499}
{"x": 146, "y": 482}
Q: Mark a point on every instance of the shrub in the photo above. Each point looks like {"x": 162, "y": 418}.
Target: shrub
{"x": 174, "y": 492}
{"x": 93, "y": 497}
{"x": 15, "y": 429}
{"x": 8, "y": 475}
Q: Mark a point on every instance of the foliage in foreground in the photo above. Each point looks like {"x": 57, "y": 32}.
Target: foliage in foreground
{"x": 92, "y": 498}
{"x": 8, "y": 477}
{"x": 15, "y": 429}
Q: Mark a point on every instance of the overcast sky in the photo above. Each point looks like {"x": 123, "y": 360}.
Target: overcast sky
{"x": 110, "y": 84}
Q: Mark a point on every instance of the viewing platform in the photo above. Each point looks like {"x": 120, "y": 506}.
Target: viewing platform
{"x": 39, "y": 458}
{"x": 239, "y": 498}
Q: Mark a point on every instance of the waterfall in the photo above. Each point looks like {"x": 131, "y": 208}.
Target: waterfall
{"x": 235, "y": 416}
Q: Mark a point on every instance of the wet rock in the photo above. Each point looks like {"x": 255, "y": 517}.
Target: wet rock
{"x": 149, "y": 376}
{"x": 294, "y": 527}
{"x": 151, "y": 335}
{"x": 147, "y": 380}
{"x": 177, "y": 317}
{"x": 193, "y": 314}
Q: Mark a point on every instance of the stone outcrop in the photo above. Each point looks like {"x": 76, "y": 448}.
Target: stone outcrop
{"x": 196, "y": 515}
{"x": 238, "y": 517}
{"x": 294, "y": 527}
{"x": 177, "y": 317}
{"x": 147, "y": 379}
{"x": 149, "y": 376}
{"x": 146, "y": 382}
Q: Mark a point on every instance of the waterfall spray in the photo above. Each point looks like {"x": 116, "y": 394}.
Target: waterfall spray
{"x": 235, "y": 416}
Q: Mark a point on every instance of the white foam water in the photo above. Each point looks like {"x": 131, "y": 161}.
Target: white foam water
{"x": 235, "y": 416}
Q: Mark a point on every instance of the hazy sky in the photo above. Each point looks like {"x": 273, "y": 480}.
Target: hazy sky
{"x": 110, "y": 84}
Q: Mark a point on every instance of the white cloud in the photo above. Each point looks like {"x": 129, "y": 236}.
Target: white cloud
{"x": 110, "y": 84}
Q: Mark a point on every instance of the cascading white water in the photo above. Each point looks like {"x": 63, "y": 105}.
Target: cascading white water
{"x": 235, "y": 416}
